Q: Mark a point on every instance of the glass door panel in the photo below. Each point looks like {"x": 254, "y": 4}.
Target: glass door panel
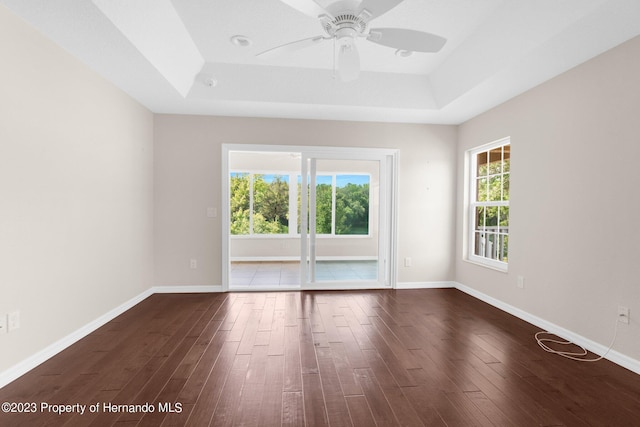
{"x": 263, "y": 241}
{"x": 343, "y": 206}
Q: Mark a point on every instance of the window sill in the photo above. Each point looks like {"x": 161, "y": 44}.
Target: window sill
{"x": 501, "y": 269}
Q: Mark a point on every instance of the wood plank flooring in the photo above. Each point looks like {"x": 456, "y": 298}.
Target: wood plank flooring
{"x": 434, "y": 357}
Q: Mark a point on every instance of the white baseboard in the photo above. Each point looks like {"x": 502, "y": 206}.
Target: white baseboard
{"x": 185, "y": 289}
{"x": 597, "y": 348}
{"x": 424, "y": 285}
{"x": 28, "y": 364}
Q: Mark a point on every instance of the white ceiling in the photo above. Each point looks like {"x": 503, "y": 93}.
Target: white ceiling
{"x": 161, "y": 51}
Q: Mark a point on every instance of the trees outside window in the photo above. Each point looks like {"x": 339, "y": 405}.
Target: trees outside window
{"x": 240, "y": 201}
{"x": 260, "y": 204}
{"x": 324, "y": 204}
{"x": 352, "y": 204}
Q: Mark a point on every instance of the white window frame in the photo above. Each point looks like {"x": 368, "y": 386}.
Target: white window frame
{"x": 472, "y": 156}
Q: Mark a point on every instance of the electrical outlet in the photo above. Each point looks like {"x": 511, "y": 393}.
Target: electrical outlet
{"x": 13, "y": 321}
{"x": 520, "y": 282}
{"x": 408, "y": 262}
{"x": 193, "y": 263}
{"x": 623, "y": 314}
{"x": 3, "y": 324}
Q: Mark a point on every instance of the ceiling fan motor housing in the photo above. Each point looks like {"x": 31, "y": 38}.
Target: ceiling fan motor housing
{"x": 345, "y": 24}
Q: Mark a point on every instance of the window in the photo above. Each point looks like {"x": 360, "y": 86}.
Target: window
{"x": 342, "y": 204}
{"x": 489, "y": 204}
{"x": 260, "y": 204}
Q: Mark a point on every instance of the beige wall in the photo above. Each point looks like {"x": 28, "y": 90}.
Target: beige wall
{"x": 188, "y": 180}
{"x": 76, "y": 158}
{"x": 575, "y": 182}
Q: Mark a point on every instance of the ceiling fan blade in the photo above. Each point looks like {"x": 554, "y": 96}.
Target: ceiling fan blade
{"x": 290, "y": 47}
{"x": 378, "y": 7}
{"x": 411, "y": 40}
{"x": 348, "y": 62}
{"x": 308, "y": 7}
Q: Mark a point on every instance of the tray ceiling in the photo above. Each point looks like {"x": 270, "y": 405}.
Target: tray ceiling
{"x": 166, "y": 54}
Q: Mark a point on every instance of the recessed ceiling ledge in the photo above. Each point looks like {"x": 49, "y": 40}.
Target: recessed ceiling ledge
{"x": 156, "y": 30}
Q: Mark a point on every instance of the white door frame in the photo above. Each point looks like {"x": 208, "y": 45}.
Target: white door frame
{"x": 391, "y": 169}
{"x": 308, "y": 247}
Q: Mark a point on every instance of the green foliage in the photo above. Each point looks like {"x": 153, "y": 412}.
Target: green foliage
{"x": 263, "y": 226}
{"x": 239, "y": 201}
{"x": 493, "y": 186}
{"x": 270, "y": 205}
{"x": 352, "y": 209}
{"x": 323, "y": 208}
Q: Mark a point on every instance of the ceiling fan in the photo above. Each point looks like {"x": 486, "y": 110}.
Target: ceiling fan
{"x": 344, "y": 21}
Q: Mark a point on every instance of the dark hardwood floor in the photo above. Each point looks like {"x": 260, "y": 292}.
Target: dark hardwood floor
{"x": 433, "y": 357}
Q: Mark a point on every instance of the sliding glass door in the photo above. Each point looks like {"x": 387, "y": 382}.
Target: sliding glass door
{"x": 344, "y": 220}
{"x": 307, "y": 217}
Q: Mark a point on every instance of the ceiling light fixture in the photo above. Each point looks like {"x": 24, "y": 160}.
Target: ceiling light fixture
{"x": 211, "y": 81}
{"x": 207, "y": 79}
{"x": 241, "y": 41}
{"x": 403, "y": 53}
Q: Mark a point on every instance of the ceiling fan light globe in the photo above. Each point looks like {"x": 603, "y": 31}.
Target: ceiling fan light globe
{"x": 348, "y": 62}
